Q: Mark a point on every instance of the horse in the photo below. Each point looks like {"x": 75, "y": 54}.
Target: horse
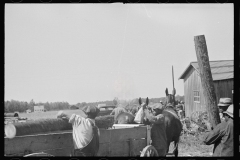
{"x": 125, "y": 118}
{"x": 172, "y": 122}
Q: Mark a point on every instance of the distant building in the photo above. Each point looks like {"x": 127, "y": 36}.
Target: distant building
{"x": 39, "y": 109}
{"x": 28, "y": 111}
{"x": 101, "y": 105}
{"x": 222, "y": 74}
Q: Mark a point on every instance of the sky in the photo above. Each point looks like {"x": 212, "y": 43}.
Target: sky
{"x": 95, "y": 52}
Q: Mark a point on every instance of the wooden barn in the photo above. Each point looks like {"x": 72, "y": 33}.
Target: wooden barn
{"x": 222, "y": 74}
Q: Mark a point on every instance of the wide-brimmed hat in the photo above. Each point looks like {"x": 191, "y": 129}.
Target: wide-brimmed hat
{"x": 229, "y": 111}
{"x": 91, "y": 111}
{"x": 225, "y": 102}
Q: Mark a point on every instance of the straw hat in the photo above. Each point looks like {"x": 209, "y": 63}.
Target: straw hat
{"x": 229, "y": 111}
{"x": 225, "y": 102}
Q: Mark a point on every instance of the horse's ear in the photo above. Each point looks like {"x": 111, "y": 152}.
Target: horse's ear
{"x": 147, "y": 101}
{"x": 166, "y": 91}
{"x": 140, "y": 100}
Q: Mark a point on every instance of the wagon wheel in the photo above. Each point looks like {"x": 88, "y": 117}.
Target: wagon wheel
{"x": 149, "y": 151}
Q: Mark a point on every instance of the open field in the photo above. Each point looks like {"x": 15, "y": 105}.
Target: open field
{"x": 53, "y": 114}
{"x": 190, "y": 145}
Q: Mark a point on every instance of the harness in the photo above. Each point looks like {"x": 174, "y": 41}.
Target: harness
{"x": 172, "y": 112}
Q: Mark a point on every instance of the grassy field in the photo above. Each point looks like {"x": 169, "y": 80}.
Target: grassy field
{"x": 53, "y": 114}
{"x": 189, "y": 146}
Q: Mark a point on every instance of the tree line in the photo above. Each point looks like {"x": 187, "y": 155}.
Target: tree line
{"x": 20, "y": 106}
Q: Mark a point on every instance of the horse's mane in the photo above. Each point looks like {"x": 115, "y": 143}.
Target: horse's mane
{"x": 171, "y": 109}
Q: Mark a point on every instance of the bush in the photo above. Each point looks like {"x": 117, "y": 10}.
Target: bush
{"x": 105, "y": 122}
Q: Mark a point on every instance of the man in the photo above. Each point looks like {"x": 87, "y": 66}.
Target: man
{"x": 223, "y": 105}
{"x": 222, "y": 136}
{"x": 117, "y": 111}
{"x": 180, "y": 110}
{"x": 158, "y": 129}
{"x": 85, "y": 132}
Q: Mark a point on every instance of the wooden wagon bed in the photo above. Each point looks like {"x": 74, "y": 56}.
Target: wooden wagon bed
{"x": 120, "y": 141}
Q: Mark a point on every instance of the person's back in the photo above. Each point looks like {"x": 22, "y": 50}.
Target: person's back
{"x": 85, "y": 132}
{"x": 222, "y": 136}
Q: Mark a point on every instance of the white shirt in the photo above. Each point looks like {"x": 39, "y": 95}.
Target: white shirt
{"x": 82, "y": 131}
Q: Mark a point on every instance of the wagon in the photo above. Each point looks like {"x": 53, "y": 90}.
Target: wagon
{"x": 121, "y": 140}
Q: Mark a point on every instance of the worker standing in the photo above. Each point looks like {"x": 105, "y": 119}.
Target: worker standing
{"x": 222, "y": 136}
{"x": 223, "y": 105}
{"x": 158, "y": 128}
{"x": 85, "y": 132}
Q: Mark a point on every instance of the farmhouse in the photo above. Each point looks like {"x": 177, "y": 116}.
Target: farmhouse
{"x": 28, "y": 111}
{"x": 39, "y": 109}
{"x": 222, "y": 74}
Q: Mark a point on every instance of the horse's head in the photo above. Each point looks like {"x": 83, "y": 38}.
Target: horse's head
{"x": 170, "y": 98}
{"x": 155, "y": 108}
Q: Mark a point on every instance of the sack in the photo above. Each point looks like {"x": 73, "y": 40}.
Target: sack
{"x": 139, "y": 116}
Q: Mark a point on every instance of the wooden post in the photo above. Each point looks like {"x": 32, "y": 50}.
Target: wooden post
{"x": 206, "y": 79}
{"x": 148, "y": 135}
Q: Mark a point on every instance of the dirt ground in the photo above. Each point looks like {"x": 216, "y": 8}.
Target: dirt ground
{"x": 191, "y": 146}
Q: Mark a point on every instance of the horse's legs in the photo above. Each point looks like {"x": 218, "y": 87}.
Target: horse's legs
{"x": 168, "y": 145}
{"x": 175, "y": 152}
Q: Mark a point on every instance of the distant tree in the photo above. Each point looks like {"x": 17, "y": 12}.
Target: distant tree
{"x": 47, "y": 106}
{"x": 83, "y": 104}
{"x": 115, "y": 101}
{"x": 32, "y": 103}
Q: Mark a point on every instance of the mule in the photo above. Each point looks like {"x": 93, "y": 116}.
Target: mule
{"x": 124, "y": 118}
{"x": 172, "y": 122}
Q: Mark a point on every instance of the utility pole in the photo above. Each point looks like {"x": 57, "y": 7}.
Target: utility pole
{"x": 206, "y": 80}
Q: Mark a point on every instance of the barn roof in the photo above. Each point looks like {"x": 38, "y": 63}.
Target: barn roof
{"x": 221, "y": 70}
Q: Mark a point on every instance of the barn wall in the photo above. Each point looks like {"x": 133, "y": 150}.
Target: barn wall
{"x": 223, "y": 89}
{"x": 192, "y": 82}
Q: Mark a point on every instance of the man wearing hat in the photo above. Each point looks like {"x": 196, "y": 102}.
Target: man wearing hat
{"x": 158, "y": 128}
{"x": 223, "y": 105}
{"x": 116, "y": 111}
{"x": 85, "y": 132}
{"x": 222, "y": 136}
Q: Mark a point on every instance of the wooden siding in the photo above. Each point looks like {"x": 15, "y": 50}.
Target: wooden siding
{"x": 192, "y": 82}
{"x": 223, "y": 89}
